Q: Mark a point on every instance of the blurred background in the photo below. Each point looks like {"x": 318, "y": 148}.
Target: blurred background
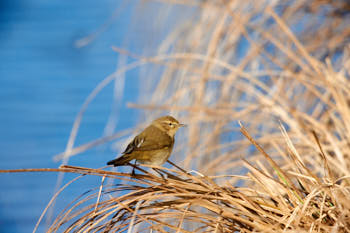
{"x": 53, "y": 53}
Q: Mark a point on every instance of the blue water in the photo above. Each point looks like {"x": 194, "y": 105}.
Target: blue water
{"x": 44, "y": 80}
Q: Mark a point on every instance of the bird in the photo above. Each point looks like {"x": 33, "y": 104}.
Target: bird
{"x": 153, "y": 145}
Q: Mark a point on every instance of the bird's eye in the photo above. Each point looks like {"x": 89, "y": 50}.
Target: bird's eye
{"x": 171, "y": 125}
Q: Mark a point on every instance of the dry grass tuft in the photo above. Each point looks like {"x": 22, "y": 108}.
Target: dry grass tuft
{"x": 281, "y": 67}
{"x": 274, "y": 199}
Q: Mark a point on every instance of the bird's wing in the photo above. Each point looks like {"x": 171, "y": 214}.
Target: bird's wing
{"x": 134, "y": 144}
{"x": 152, "y": 140}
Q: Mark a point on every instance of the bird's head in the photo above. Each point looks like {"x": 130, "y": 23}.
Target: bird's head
{"x": 167, "y": 124}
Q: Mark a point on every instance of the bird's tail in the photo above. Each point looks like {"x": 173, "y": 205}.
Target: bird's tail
{"x": 122, "y": 160}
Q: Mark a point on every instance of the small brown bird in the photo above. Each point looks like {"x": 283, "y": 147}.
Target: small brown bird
{"x": 153, "y": 145}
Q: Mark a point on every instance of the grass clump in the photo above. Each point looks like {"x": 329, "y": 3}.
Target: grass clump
{"x": 273, "y": 199}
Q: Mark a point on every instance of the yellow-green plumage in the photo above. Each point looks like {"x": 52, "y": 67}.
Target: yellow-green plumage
{"x": 153, "y": 145}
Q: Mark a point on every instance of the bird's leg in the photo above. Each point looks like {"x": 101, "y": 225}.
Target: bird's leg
{"x": 133, "y": 169}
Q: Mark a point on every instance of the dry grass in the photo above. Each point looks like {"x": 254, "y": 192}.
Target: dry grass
{"x": 280, "y": 67}
{"x": 273, "y": 199}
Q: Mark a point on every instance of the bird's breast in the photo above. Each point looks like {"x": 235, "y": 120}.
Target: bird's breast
{"x": 156, "y": 157}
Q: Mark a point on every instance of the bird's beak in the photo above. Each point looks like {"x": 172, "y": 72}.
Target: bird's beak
{"x": 182, "y": 125}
